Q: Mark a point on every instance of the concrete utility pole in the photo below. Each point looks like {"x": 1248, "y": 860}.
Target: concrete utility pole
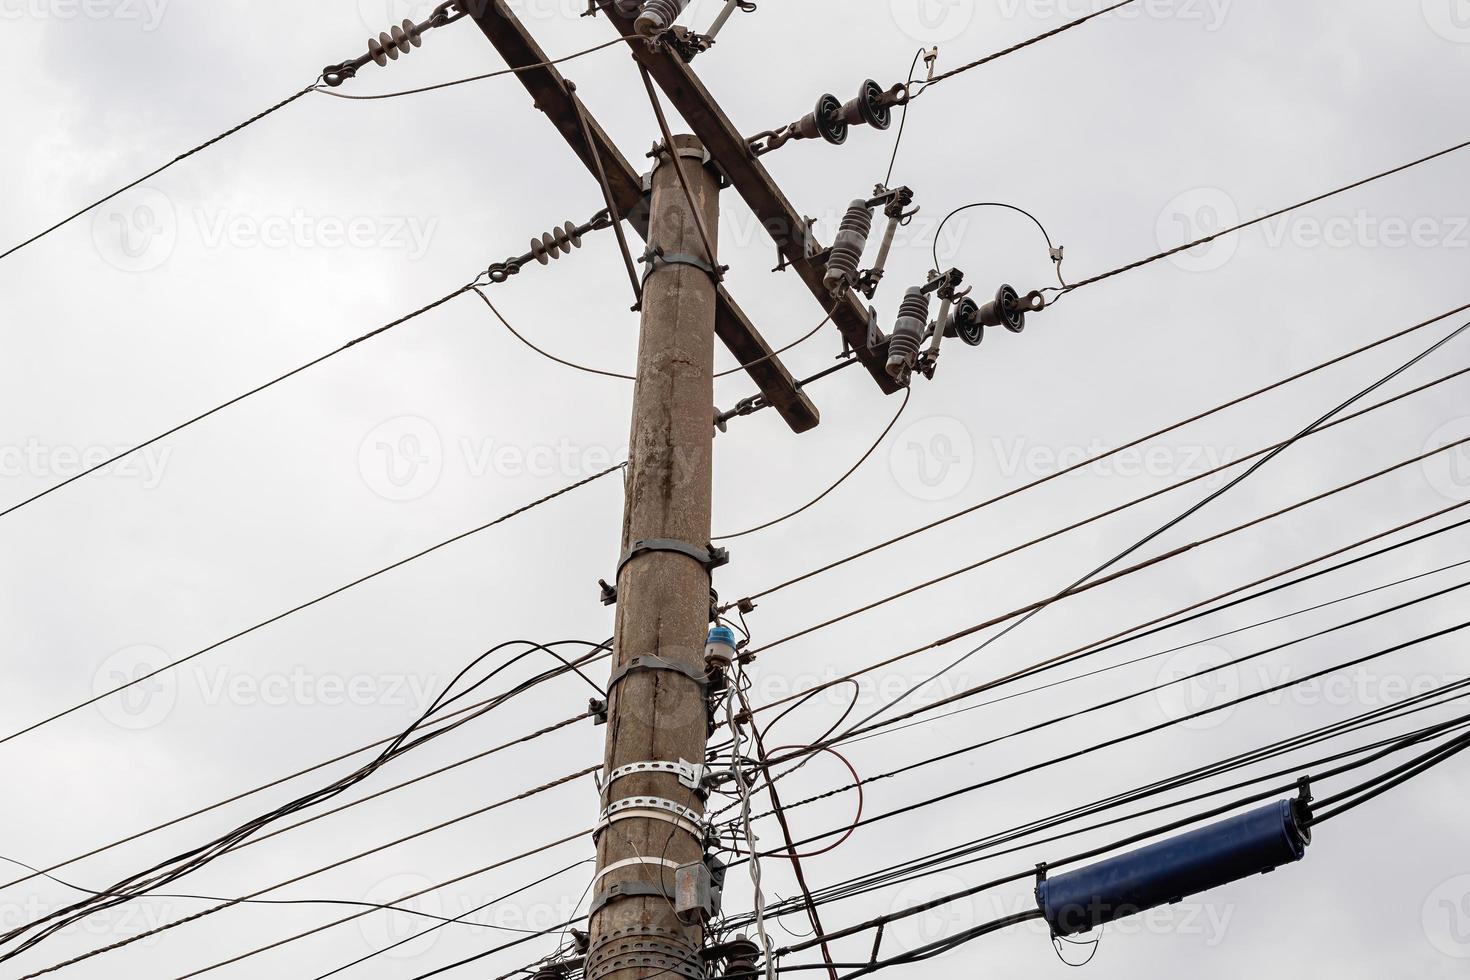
{"x": 657, "y": 714}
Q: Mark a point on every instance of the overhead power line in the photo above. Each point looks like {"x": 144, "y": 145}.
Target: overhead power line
{"x": 1099, "y": 516}
{"x": 1115, "y": 701}
{"x": 1062, "y": 291}
{"x": 154, "y": 173}
{"x": 319, "y": 599}
{"x": 172, "y": 869}
{"x": 1140, "y": 733}
{"x": 549, "y": 729}
{"x": 543, "y": 249}
{"x": 1188, "y": 512}
{"x": 1100, "y": 457}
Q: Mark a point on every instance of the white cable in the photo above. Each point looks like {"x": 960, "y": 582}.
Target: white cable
{"x": 744, "y": 789}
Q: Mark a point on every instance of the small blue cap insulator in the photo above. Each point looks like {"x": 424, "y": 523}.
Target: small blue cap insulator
{"x": 720, "y": 647}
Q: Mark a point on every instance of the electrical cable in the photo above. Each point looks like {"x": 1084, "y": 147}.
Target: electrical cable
{"x": 1161, "y": 653}
{"x": 236, "y": 400}
{"x": 1099, "y": 516}
{"x": 1020, "y": 614}
{"x": 552, "y": 357}
{"x": 1093, "y": 460}
{"x": 154, "y": 173}
{"x": 1392, "y": 746}
{"x": 1018, "y": 47}
{"x": 777, "y": 353}
{"x": 376, "y": 906}
{"x": 1088, "y": 649}
{"x": 1113, "y": 702}
{"x": 1253, "y": 221}
{"x": 1188, "y": 512}
{"x": 840, "y": 480}
{"x": 474, "y": 78}
{"x": 177, "y": 867}
{"x": 1139, "y": 733}
{"x": 903, "y": 120}
{"x": 558, "y": 726}
{"x": 1052, "y": 250}
{"x": 312, "y": 602}
{"x": 461, "y": 917}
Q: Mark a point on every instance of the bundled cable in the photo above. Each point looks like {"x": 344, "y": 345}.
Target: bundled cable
{"x": 26, "y": 936}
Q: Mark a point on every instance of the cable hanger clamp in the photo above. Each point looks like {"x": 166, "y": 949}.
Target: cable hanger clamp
{"x": 698, "y": 675}
{"x": 709, "y": 558}
{"x": 656, "y": 258}
{"x": 691, "y": 775}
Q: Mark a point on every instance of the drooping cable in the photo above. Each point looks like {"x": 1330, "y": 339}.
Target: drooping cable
{"x": 154, "y": 173}
{"x": 840, "y": 480}
{"x": 1093, "y": 460}
{"x": 1184, "y": 515}
{"x": 1252, "y": 222}
{"x": 172, "y": 869}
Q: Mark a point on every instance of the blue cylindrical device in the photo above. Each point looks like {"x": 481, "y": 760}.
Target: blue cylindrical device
{"x": 1249, "y": 844}
{"x": 720, "y": 649}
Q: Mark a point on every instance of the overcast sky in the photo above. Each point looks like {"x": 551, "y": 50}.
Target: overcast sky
{"x": 1139, "y": 131}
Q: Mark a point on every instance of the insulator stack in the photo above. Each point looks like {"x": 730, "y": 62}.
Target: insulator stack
{"x": 868, "y": 108}
{"x": 387, "y": 46}
{"x": 1006, "y": 310}
{"x": 556, "y": 243}
{"x": 743, "y": 958}
{"x": 908, "y": 333}
{"x": 658, "y": 16}
{"x": 848, "y": 247}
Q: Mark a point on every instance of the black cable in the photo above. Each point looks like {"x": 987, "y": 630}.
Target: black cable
{"x": 840, "y": 480}
{"x": 236, "y": 400}
{"x": 154, "y": 173}
{"x": 174, "y": 868}
{"x": 458, "y": 919}
{"x": 1396, "y": 777}
{"x": 903, "y": 119}
{"x": 473, "y": 78}
{"x": 377, "y": 906}
{"x": 312, "y": 602}
{"x": 1133, "y": 443}
{"x": 1052, "y": 250}
{"x": 552, "y": 357}
{"x": 1180, "y": 518}
{"x": 1134, "y": 695}
{"x": 1139, "y": 733}
{"x": 1392, "y": 746}
{"x": 1253, "y": 221}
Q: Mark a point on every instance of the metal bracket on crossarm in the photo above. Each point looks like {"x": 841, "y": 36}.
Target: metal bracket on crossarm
{"x": 709, "y": 558}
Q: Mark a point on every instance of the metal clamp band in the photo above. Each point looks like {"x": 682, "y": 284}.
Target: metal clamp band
{"x": 653, "y": 803}
{"x": 637, "y": 933}
{"x": 635, "y": 862}
{"x": 709, "y": 558}
{"x": 647, "y": 961}
{"x": 650, "y": 662}
{"x": 691, "y": 775}
{"x": 695, "y": 830}
{"x": 656, "y": 258}
{"x": 628, "y": 889}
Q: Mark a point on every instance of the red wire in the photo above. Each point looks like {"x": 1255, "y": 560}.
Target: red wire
{"x": 857, "y": 819}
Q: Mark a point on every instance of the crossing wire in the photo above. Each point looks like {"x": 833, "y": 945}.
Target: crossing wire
{"x": 1100, "y": 457}
{"x": 312, "y": 602}
{"x": 1101, "y": 515}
